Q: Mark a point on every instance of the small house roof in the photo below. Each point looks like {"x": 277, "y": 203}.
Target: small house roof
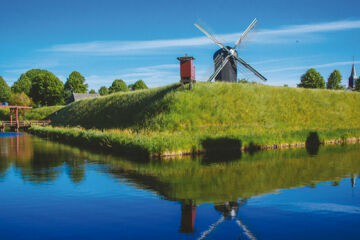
{"x": 79, "y": 96}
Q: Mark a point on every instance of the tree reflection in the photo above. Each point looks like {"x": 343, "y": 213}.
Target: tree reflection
{"x": 76, "y": 169}
{"x": 190, "y": 181}
{"x": 40, "y": 161}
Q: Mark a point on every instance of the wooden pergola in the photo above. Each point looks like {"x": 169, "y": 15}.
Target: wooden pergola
{"x": 18, "y": 123}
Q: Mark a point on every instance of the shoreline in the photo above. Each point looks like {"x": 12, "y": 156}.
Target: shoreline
{"x": 132, "y": 147}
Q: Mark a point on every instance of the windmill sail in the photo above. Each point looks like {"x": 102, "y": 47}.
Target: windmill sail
{"x": 228, "y": 56}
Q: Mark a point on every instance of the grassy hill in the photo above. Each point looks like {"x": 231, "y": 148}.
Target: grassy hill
{"x": 215, "y": 115}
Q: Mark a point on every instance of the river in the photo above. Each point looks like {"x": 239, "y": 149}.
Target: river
{"x": 50, "y": 190}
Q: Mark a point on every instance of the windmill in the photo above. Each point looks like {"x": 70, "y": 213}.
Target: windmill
{"x": 226, "y": 58}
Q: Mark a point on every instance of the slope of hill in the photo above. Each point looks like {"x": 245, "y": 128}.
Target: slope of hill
{"x": 216, "y": 115}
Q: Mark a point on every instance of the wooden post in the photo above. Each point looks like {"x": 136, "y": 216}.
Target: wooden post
{"x": 10, "y": 116}
{"x": 17, "y": 119}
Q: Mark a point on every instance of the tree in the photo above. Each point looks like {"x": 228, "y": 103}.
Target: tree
{"x": 33, "y": 73}
{"x": 334, "y": 80}
{"x": 47, "y": 89}
{"x": 312, "y": 79}
{"x": 23, "y": 84}
{"x": 92, "y": 91}
{"x": 118, "y": 85}
{"x": 243, "y": 80}
{"x": 138, "y": 85}
{"x": 75, "y": 84}
{"x": 357, "y": 84}
{"x": 20, "y": 99}
{"x": 5, "y": 91}
{"x": 103, "y": 91}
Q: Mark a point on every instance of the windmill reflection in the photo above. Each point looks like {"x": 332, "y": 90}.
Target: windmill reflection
{"x": 229, "y": 212}
{"x": 188, "y": 215}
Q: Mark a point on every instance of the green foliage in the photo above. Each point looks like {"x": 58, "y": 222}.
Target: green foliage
{"x": 4, "y": 114}
{"x": 138, "y": 85}
{"x": 33, "y": 73}
{"x": 75, "y": 84}
{"x": 103, "y": 91}
{"x": 167, "y": 119}
{"x": 23, "y": 84}
{"x": 285, "y": 85}
{"x": 47, "y": 89}
{"x": 357, "y": 84}
{"x": 20, "y": 99}
{"x": 118, "y": 85}
{"x": 92, "y": 91}
{"x": 312, "y": 79}
{"x": 42, "y": 112}
{"x": 243, "y": 80}
{"x": 334, "y": 80}
{"x": 5, "y": 91}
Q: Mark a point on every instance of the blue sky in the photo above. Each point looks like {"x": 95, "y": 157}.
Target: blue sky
{"x": 107, "y": 40}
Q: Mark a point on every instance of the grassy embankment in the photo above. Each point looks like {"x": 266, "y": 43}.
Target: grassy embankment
{"x": 214, "y": 116}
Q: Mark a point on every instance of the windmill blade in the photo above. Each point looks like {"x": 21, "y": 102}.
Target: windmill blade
{"x": 251, "y": 26}
{"x": 226, "y": 60}
{"x": 210, "y": 36}
{"x": 245, "y": 64}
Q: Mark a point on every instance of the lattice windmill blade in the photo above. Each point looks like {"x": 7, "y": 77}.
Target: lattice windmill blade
{"x": 246, "y": 65}
{"x": 211, "y": 37}
{"x": 225, "y": 53}
{"x": 251, "y": 26}
{"x": 226, "y": 60}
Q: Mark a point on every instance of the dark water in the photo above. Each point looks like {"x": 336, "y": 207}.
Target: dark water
{"x": 53, "y": 191}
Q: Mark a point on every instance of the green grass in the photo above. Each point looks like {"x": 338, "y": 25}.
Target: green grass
{"x": 42, "y": 113}
{"x": 212, "y": 116}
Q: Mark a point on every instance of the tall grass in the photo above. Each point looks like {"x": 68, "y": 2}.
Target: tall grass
{"x": 168, "y": 120}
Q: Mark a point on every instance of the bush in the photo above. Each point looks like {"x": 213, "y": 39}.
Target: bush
{"x": 103, "y": 91}
{"x": 20, "y": 99}
{"x": 118, "y": 86}
{"x": 138, "y": 85}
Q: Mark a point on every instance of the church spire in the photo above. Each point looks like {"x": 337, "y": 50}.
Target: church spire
{"x": 353, "y": 77}
{"x": 353, "y": 72}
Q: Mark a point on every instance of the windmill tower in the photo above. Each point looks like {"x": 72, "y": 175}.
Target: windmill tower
{"x": 226, "y": 59}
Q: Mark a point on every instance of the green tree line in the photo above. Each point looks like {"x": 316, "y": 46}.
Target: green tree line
{"x": 39, "y": 87}
{"x": 313, "y": 79}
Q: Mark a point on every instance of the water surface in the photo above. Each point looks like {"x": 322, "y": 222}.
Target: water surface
{"x": 54, "y": 191}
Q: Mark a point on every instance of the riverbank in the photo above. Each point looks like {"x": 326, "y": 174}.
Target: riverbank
{"x": 213, "y": 117}
{"x": 162, "y": 145}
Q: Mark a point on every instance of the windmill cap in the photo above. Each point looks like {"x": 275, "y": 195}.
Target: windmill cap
{"x": 186, "y": 58}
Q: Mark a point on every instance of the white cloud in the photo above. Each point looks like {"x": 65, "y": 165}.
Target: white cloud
{"x": 153, "y": 76}
{"x": 327, "y": 65}
{"x": 280, "y": 35}
{"x": 327, "y": 207}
